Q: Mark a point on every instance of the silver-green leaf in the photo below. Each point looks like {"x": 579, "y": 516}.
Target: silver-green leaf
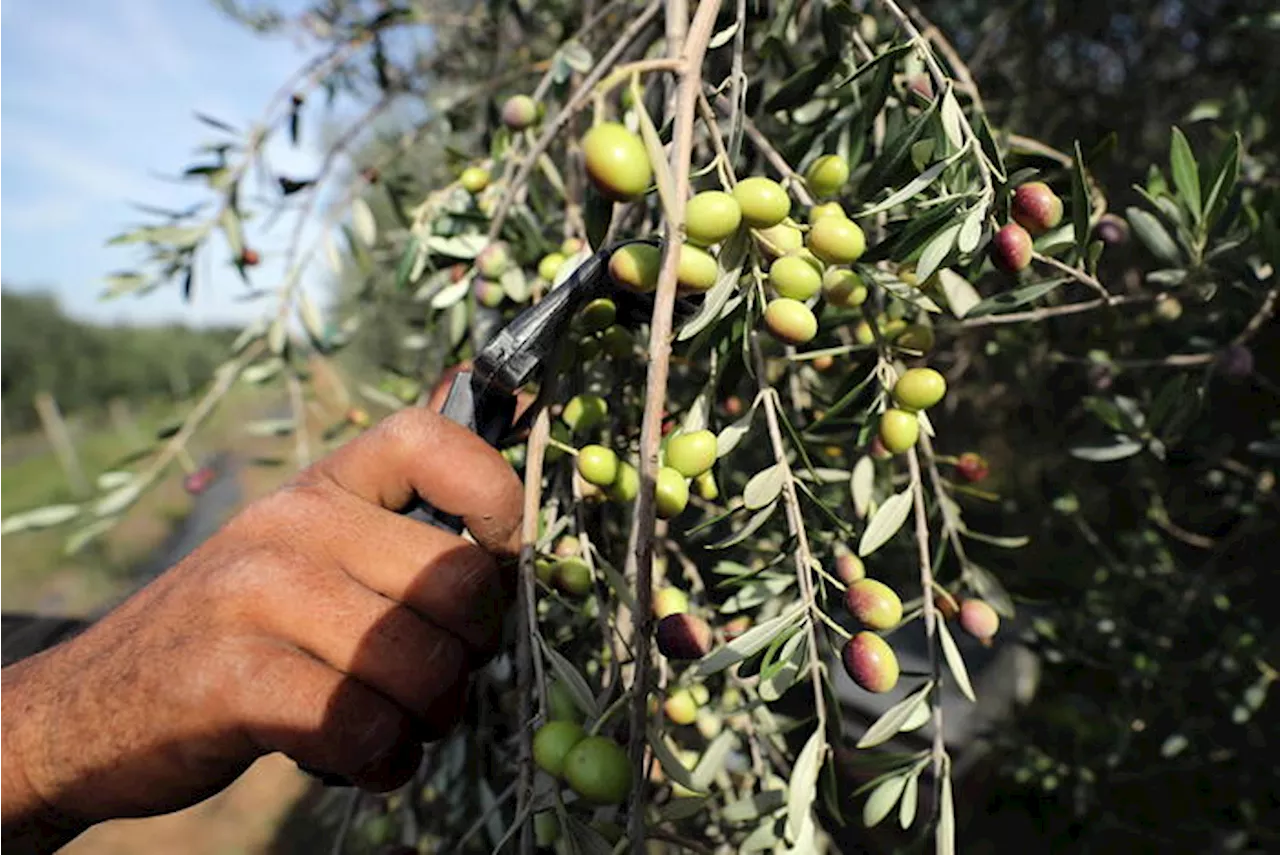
{"x": 886, "y": 522}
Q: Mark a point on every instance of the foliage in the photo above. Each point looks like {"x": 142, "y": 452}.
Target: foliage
{"x": 86, "y": 365}
{"x": 1114, "y": 383}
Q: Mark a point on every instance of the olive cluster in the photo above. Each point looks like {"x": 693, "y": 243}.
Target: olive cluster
{"x": 1035, "y": 209}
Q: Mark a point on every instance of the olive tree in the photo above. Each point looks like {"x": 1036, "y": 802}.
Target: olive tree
{"x": 749, "y": 471}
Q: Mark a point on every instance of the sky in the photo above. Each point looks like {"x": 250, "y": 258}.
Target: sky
{"x": 96, "y": 109}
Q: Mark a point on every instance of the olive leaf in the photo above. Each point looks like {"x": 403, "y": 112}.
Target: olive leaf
{"x": 891, "y": 721}
{"x": 955, "y": 662}
{"x": 886, "y": 522}
{"x": 803, "y": 786}
{"x": 764, "y": 487}
{"x": 1185, "y": 172}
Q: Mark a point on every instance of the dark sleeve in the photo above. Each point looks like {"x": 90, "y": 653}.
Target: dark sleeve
{"x": 23, "y": 634}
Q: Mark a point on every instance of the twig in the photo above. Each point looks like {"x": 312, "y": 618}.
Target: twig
{"x": 1074, "y": 273}
{"x": 948, "y": 522}
{"x": 795, "y": 525}
{"x": 962, "y": 74}
{"x": 771, "y": 154}
{"x": 639, "y": 565}
{"x": 1054, "y": 311}
{"x": 1264, "y": 313}
{"x": 576, "y": 103}
{"x": 488, "y": 812}
{"x": 939, "y": 748}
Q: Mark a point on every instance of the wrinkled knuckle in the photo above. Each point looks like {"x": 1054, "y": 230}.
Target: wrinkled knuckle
{"x": 407, "y": 432}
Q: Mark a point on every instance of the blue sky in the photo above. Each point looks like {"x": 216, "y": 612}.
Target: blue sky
{"x": 96, "y": 106}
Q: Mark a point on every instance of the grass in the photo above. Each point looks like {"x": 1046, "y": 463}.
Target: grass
{"x": 38, "y": 574}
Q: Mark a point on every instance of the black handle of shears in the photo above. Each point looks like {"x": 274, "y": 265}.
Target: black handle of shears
{"x": 488, "y": 416}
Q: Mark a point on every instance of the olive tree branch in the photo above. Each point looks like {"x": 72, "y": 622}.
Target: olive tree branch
{"x": 938, "y": 751}
{"x": 529, "y": 678}
{"x": 949, "y": 527}
{"x": 1053, "y": 311}
{"x": 1074, "y": 272}
{"x": 795, "y": 524}
{"x": 639, "y": 563}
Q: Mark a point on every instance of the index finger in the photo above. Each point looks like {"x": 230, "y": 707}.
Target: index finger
{"x": 418, "y": 453}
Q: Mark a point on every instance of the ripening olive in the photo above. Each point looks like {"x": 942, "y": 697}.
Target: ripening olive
{"x": 899, "y": 430}
{"x": 671, "y": 493}
{"x": 763, "y": 202}
{"x": 790, "y": 321}
{"x": 617, "y": 162}
{"x": 919, "y": 389}
{"x": 697, "y": 269}
{"x": 683, "y": 636}
{"x": 598, "y": 770}
{"x": 1011, "y": 248}
{"x": 873, "y": 603}
{"x": 978, "y": 619}
{"x": 488, "y": 293}
{"x": 635, "y": 267}
{"x": 849, "y": 567}
{"x": 494, "y": 260}
{"x": 794, "y": 277}
{"x": 844, "y": 288}
{"x": 870, "y": 662}
{"x": 826, "y": 175}
{"x": 691, "y": 454}
{"x": 972, "y": 466}
{"x": 711, "y": 216}
{"x": 519, "y": 112}
{"x": 598, "y": 465}
{"x": 836, "y": 240}
{"x": 552, "y": 744}
{"x": 1036, "y": 208}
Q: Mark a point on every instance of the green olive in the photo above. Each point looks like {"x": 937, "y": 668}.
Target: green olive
{"x": 919, "y": 389}
{"x": 598, "y": 314}
{"x": 598, "y": 770}
{"x": 790, "y": 321}
{"x": 671, "y": 493}
{"x": 691, "y": 454}
{"x": 874, "y": 604}
{"x": 792, "y": 276}
{"x": 552, "y": 744}
{"x": 474, "y": 179}
{"x": 598, "y": 465}
{"x": 626, "y": 485}
{"x": 826, "y": 175}
{"x": 711, "y": 216}
{"x": 573, "y": 576}
{"x": 763, "y": 202}
{"x": 836, "y": 240}
{"x": 899, "y": 430}
{"x": 550, "y": 265}
{"x": 842, "y": 287}
{"x": 697, "y": 270}
{"x": 826, "y": 209}
{"x": 635, "y": 267}
{"x": 777, "y": 241}
{"x": 583, "y": 412}
{"x": 617, "y": 162}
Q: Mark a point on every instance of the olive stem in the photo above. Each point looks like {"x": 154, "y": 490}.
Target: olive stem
{"x": 938, "y": 751}
{"x": 690, "y": 50}
{"x": 949, "y": 527}
{"x": 1074, "y": 273}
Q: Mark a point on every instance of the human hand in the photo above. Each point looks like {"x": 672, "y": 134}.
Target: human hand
{"x": 319, "y": 622}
